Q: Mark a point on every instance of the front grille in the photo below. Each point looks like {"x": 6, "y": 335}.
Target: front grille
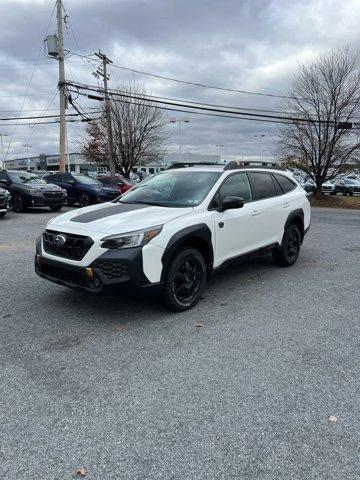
{"x": 71, "y": 276}
{"x": 113, "y": 270}
{"x": 74, "y": 248}
{"x": 53, "y": 194}
{"x": 327, "y": 188}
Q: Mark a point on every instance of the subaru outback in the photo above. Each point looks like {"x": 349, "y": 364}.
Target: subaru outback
{"x": 171, "y": 231}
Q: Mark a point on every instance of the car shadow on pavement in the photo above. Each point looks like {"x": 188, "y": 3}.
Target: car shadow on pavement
{"x": 150, "y": 307}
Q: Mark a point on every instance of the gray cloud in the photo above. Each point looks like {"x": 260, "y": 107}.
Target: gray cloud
{"x": 250, "y": 45}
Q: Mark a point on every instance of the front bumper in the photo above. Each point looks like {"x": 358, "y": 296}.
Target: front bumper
{"x": 40, "y": 201}
{"x": 112, "y": 273}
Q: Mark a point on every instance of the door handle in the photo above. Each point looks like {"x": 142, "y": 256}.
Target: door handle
{"x": 256, "y": 213}
{"x": 286, "y": 205}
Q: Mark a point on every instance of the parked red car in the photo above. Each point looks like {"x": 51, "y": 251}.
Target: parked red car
{"x": 118, "y": 183}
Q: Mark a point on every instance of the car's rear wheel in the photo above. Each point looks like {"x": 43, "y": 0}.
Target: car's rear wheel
{"x": 84, "y": 199}
{"x": 185, "y": 280}
{"x": 55, "y": 208}
{"x": 287, "y": 254}
{"x": 351, "y": 193}
{"x": 18, "y": 203}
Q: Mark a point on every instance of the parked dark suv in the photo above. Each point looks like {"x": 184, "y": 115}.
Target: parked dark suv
{"x": 28, "y": 190}
{"x": 346, "y": 186}
{"x": 82, "y": 189}
{"x": 4, "y": 202}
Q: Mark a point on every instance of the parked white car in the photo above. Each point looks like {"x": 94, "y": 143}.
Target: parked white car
{"x": 171, "y": 231}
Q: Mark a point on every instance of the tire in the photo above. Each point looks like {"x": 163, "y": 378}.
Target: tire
{"x": 18, "y": 203}
{"x": 332, "y": 193}
{"x": 287, "y": 254}
{"x": 84, "y": 199}
{"x": 344, "y": 193}
{"x": 185, "y": 280}
{"x": 55, "y": 208}
{"x": 351, "y": 193}
{"x": 2, "y": 214}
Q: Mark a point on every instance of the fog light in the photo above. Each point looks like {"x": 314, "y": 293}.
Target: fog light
{"x": 89, "y": 272}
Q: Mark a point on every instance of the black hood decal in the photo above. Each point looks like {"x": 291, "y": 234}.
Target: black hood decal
{"x": 107, "y": 212}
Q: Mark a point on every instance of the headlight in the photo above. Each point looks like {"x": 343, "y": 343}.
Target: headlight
{"x": 131, "y": 239}
{"x": 64, "y": 191}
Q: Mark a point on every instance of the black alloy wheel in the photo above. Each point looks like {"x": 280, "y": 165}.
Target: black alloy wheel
{"x": 18, "y": 203}
{"x": 293, "y": 244}
{"x": 287, "y": 254}
{"x": 84, "y": 199}
{"x": 185, "y": 280}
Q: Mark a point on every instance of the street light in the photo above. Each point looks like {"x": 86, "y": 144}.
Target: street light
{"x": 220, "y": 145}
{"x": 180, "y": 121}
{"x": 28, "y": 158}
{"x": 262, "y": 135}
{"x": 2, "y": 149}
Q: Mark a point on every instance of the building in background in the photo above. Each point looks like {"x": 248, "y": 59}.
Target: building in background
{"x": 78, "y": 162}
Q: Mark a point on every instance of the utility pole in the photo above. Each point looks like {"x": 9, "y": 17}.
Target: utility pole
{"x": 106, "y": 61}
{"x": 28, "y": 156}
{"x": 61, "y": 84}
{"x": 2, "y": 150}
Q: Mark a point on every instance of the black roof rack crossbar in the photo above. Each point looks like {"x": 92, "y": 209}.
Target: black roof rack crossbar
{"x": 192, "y": 164}
{"x": 238, "y": 164}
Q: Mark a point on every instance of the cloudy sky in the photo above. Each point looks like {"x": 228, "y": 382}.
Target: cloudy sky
{"x": 252, "y": 45}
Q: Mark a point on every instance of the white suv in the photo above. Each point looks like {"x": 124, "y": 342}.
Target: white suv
{"x": 172, "y": 230}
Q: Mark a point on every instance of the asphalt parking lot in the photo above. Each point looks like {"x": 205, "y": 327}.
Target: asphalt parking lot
{"x": 127, "y": 390}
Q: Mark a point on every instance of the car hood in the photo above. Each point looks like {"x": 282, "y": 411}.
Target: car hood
{"x": 47, "y": 187}
{"x": 112, "y": 218}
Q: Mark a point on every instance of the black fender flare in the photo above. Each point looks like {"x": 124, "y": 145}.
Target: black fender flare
{"x": 298, "y": 215}
{"x": 186, "y": 236}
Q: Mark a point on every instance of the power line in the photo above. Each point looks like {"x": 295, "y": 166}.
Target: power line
{"x": 196, "y": 84}
{"x": 185, "y": 104}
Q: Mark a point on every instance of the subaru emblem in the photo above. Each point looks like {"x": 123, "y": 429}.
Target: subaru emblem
{"x": 59, "y": 240}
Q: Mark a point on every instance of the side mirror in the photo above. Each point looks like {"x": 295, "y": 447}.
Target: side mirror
{"x": 231, "y": 202}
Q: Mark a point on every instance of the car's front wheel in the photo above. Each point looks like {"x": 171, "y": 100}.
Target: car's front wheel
{"x": 287, "y": 254}
{"x": 18, "y": 203}
{"x": 185, "y": 280}
{"x": 84, "y": 199}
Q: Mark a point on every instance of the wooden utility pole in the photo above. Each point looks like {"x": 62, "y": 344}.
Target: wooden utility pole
{"x": 104, "y": 74}
{"x": 61, "y": 84}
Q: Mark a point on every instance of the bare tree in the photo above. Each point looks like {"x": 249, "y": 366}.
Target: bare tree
{"x": 325, "y": 94}
{"x": 138, "y": 131}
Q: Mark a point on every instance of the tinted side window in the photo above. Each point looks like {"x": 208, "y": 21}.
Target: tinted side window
{"x": 263, "y": 184}
{"x": 53, "y": 178}
{"x": 286, "y": 184}
{"x": 65, "y": 177}
{"x": 238, "y": 186}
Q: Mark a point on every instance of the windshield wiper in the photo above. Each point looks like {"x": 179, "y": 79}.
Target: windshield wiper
{"x": 143, "y": 203}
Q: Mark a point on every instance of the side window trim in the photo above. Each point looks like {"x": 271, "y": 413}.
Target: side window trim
{"x": 210, "y": 208}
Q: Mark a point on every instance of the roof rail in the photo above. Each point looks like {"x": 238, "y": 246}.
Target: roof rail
{"x": 192, "y": 164}
{"x": 238, "y": 164}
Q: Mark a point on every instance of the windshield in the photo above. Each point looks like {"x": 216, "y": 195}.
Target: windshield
{"x": 351, "y": 182}
{"x": 85, "y": 180}
{"x": 172, "y": 189}
{"x": 25, "y": 177}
